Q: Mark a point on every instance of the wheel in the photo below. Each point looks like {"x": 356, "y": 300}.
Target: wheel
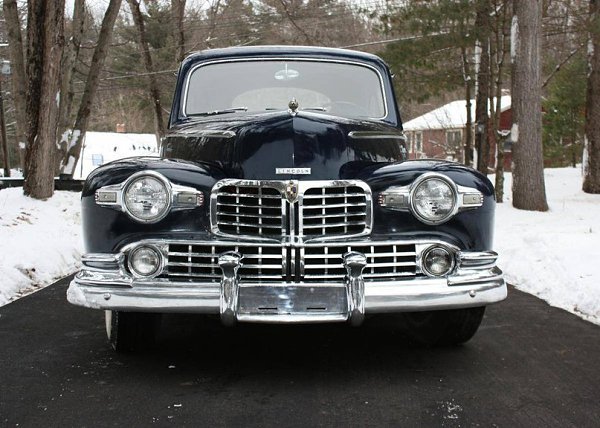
{"x": 131, "y": 331}
{"x": 448, "y": 327}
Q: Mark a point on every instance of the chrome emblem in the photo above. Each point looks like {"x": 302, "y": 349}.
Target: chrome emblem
{"x": 293, "y": 171}
{"x": 293, "y": 106}
{"x": 291, "y": 192}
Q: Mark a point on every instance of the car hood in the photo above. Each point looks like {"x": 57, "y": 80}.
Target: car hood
{"x": 280, "y": 145}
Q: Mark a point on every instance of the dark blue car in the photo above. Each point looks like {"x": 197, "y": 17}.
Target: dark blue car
{"x": 284, "y": 195}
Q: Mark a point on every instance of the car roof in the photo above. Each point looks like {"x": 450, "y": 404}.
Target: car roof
{"x": 284, "y": 51}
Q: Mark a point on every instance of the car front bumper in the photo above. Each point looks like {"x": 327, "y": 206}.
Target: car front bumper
{"x": 476, "y": 281}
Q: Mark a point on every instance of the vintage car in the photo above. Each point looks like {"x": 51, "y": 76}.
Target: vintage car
{"x": 284, "y": 194}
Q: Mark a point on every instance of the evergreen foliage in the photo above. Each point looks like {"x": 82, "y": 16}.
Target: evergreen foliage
{"x": 564, "y": 114}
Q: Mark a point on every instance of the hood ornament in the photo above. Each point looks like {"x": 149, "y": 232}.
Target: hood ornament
{"x": 293, "y": 106}
{"x": 291, "y": 191}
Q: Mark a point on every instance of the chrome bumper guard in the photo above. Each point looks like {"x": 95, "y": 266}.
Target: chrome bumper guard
{"x": 104, "y": 284}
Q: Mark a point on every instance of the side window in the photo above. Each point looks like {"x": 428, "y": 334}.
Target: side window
{"x": 454, "y": 139}
{"x": 409, "y": 141}
{"x": 418, "y": 142}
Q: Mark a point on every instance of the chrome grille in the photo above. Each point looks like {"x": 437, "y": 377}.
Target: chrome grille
{"x": 250, "y": 210}
{"x": 267, "y": 209}
{"x": 200, "y": 262}
{"x": 384, "y": 261}
{"x": 333, "y": 211}
{"x": 276, "y": 263}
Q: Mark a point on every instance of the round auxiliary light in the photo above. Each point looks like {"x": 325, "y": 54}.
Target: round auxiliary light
{"x": 147, "y": 198}
{"x": 434, "y": 200}
{"x": 437, "y": 261}
{"x": 145, "y": 261}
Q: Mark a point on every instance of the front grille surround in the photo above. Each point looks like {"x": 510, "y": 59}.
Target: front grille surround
{"x": 320, "y": 210}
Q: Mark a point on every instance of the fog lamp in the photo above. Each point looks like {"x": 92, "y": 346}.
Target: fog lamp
{"x": 145, "y": 261}
{"x": 437, "y": 261}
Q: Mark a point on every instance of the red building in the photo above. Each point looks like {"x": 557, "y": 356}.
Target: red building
{"x": 441, "y": 133}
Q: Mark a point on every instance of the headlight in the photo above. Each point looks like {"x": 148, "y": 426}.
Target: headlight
{"x": 145, "y": 261}
{"x": 437, "y": 261}
{"x": 434, "y": 200}
{"x": 147, "y": 197}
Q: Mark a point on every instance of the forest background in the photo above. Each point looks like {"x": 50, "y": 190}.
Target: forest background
{"x": 90, "y": 65}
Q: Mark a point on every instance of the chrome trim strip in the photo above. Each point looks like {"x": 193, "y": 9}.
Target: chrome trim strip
{"x": 292, "y": 318}
{"x": 375, "y": 135}
{"x": 204, "y": 133}
{"x": 102, "y": 262}
{"x": 186, "y": 85}
{"x": 477, "y": 259}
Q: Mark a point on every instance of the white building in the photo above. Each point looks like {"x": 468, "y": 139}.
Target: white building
{"x": 103, "y": 147}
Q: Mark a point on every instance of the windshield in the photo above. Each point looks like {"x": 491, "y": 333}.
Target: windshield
{"x": 342, "y": 89}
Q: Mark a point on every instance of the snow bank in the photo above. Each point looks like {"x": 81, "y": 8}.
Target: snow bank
{"x": 40, "y": 240}
{"x": 554, "y": 255}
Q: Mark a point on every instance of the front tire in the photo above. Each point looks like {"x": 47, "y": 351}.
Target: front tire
{"x": 443, "y": 328}
{"x": 131, "y": 331}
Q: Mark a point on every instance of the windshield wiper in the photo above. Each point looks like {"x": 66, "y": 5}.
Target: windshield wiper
{"x": 217, "y": 112}
{"x": 314, "y": 108}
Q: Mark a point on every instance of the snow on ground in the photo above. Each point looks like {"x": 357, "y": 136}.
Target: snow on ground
{"x": 40, "y": 240}
{"x": 554, "y": 255}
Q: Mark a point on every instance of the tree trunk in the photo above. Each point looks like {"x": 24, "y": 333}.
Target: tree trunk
{"x": 468, "y": 150}
{"x": 45, "y": 46}
{"x": 529, "y": 192}
{"x": 18, "y": 75}
{"x": 69, "y": 67}
{"x": 91, "y": 85}
{"x": 177, "y": 13}
{"x": 591, "y": 168}
{"x": 138, "y": 19}
{"x": 500, "y": 36}
{"x": 482, "y": 24}
{"x": 3, "y": 134}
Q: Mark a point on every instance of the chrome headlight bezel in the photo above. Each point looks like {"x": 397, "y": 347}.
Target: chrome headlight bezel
{"x": 422, "y": 180}
{"x": 178, "y": 197}
{"x": 166, "y": 186}
{"x": 402, "y": 198}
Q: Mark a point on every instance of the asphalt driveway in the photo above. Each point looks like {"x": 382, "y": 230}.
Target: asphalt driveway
{"x": 529, "y": 365}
